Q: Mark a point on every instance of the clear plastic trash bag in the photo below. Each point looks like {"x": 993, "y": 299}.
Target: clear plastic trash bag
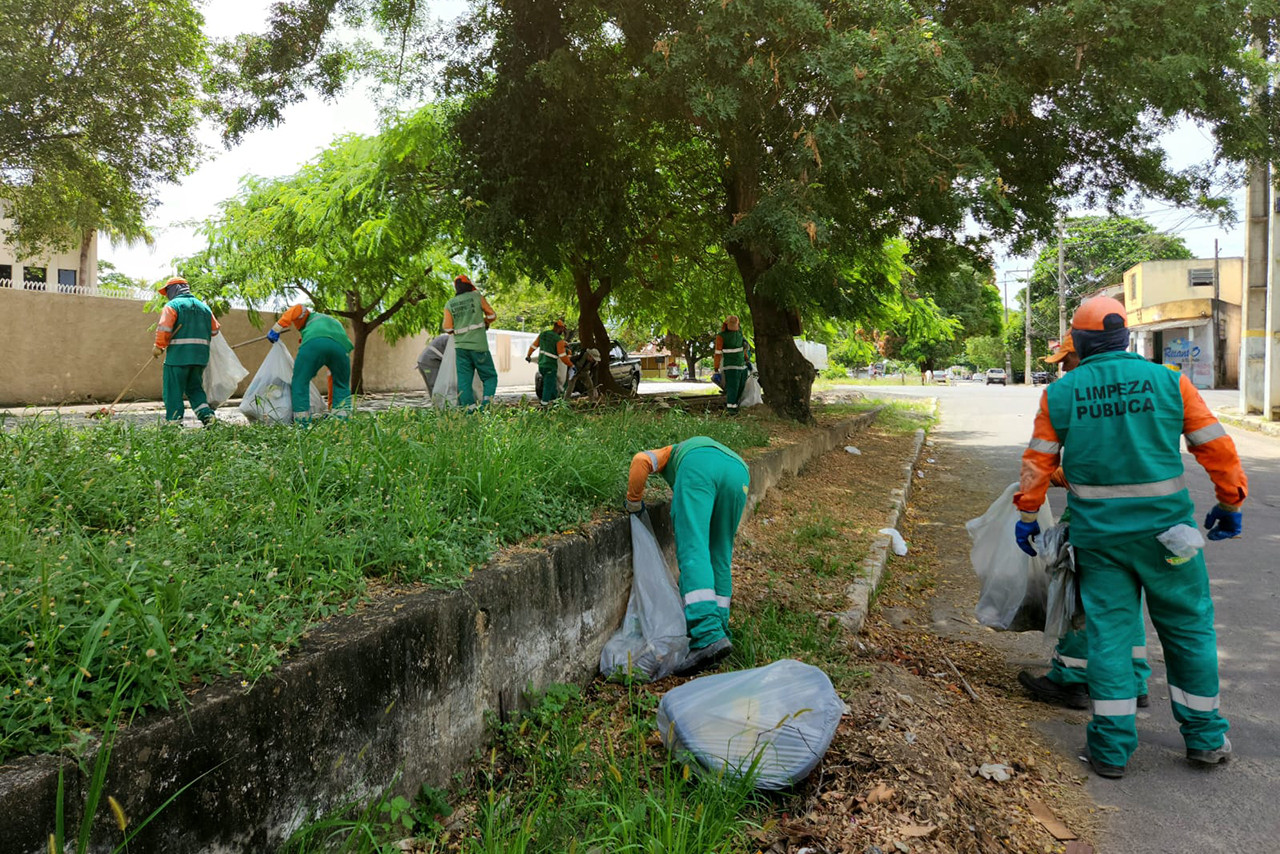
{"x": 751, "y": 395}
{"x": 445, "y": 392}
{"x": 1014, "y": 585}
{"x": 1064, "y": 612}
{"x": 224, "y": 372}
{"x": 773, "y": 723}
{"x": 653, "y": 638}
{"x": 269, "y": 397}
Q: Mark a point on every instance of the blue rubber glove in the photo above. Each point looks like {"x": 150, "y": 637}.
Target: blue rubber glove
{"x": 273, "y": 336}
{"x": 1223, "y": 524}
{"x": 1023, "y": 532}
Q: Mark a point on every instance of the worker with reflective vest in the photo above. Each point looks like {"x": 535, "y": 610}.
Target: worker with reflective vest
{"x": 1067, "y": 682}
{"x": 550, "y": 349}
{"x": 429, "y": 360}
{"x": 1115, "y": 424}
{"x": 730, "y": 357}
{"x": 709, "y": 484}
{"x": 325, "y": 344}
{"x": 467, "y": 317}
{"x": 183, "y": 334}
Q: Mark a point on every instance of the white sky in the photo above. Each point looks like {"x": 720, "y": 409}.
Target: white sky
{"x": 310, "y": 126}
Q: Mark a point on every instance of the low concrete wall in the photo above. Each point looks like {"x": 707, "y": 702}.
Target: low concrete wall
{"x": 404, "y": 684}
{"x": 69, "y": 348}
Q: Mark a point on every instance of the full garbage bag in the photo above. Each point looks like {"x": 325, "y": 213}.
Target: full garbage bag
{"x": 446, "y": 391}
{"x": 751, "y": 395}
{"x": 224, "y": 372}
{"x": 773, "y": 723}
{"x": 1064, "y": 612}
{"x": 1014, "y": 585}
{"x": 269, "y": 395}
{"x": 653, "y": 638}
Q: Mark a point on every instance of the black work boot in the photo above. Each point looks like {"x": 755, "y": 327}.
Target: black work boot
{"x": 700, "y": 659}
{"x": 1102, "y": 769}
{"x": 1211, "y": 757}
{"x": 1046, "y": 690}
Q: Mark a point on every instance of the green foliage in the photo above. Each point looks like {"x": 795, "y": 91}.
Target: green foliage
{"x": 101, "y": 107}
{"x": 172, "y": 557}
{"x": 985, "y": 351}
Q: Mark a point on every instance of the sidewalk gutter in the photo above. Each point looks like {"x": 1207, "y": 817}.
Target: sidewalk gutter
{"x": 1255, "y": 423}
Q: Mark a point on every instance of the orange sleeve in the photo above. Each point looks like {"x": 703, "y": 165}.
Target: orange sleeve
{"x": 532, "y": 347}
{"x": 164, "y": 329}
{"x": 1209, "y": 443}
{"x": 1058, "y": 478}
{"x": 489, "y": 314}
{"x": 290, "y": 317}
{"x": 563, "y": 353}
{"x": 644, "y": 464}
{"x": 719, "y": 351}
{"x": 448, "y": 321}
{"x": 217, "y": 328}
{"x": 1039, "y": 461}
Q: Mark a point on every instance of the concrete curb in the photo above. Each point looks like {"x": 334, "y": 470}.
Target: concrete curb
{"x": 863, "y": 588}
{"x": 407, "y": 683}
{"x": 1254, "y": 423}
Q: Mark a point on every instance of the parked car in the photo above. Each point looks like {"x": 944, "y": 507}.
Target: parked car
{"x": 624, "y": 367}
{"x": 1042, "y": 377}
{"x": 996, "y": 375}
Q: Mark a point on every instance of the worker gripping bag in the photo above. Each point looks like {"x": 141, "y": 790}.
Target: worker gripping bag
{"x": 446, "y": 391}
{"x": 771, "y": 724}
{"x": 269, "y": 397}
{"x": 1064, "y": 612}
{"x": 1015, "y": 587}
{"x": 653, "y": 639}
{"x": 224, "y": 373}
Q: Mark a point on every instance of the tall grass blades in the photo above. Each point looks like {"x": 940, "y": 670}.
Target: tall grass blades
{"x": 175, "y": 557}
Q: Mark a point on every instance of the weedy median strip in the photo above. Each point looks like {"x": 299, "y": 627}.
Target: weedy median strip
{"x": 180, "y": 556}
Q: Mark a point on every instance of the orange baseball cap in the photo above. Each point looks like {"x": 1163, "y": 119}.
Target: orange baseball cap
{"x": 1100, "y": 314}
{"x": 176, "y": 280}
{"x": 1065, "y": 349}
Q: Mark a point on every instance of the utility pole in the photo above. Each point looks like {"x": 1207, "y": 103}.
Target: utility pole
{"x": 1062, "y": 286}
{"x": 1219, "y": 351}
{"x": 1008, "y": 360}
{"x": 1026, "y": 377}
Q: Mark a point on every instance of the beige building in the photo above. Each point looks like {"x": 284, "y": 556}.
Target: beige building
{"x": 60, "y": 272}
{"x": 1175, "y": 316}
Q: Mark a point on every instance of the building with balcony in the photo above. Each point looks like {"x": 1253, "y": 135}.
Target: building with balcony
{"x": 59, "y": 273}
{"x": 1180, "y": 314}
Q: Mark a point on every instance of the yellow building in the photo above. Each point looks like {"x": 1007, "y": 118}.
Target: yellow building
{"x": 1176, "y": 318}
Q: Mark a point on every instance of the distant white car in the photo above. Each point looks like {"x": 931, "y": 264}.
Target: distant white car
{"x": 996, "y": 375}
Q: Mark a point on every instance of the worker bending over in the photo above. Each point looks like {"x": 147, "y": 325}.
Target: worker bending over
{"x": 183, "y": 335}
{"x": 550, "y": 348}
{"x": 324, "y": 345}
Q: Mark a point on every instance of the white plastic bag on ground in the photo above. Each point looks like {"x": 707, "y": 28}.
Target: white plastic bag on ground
{"x": 446, "y": 391}
{"x": 224, "y": 372}
{"x": 269, "y": 395}
{"x": 774, "y": 722}
{"x": 1014, "y": 585}
{"x": 653, "y": 638}
{"x": 751, "y": 395}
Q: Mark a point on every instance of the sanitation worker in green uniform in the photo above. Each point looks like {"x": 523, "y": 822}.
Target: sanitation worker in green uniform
{"x": 467, "y": 317}
{"x": 731, "y": 359}
{"x": 325, "y": 344}
{"x": 551, "y": 350}
{"x": 709, "y": 484}
{"x": 183, "y": 334}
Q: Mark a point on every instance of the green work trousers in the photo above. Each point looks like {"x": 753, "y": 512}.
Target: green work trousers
{"x": 312, "y": 356}
{"x": 550, "y": 383}
{"x": 470, "y": 363}
{"x": 1112, "y": 581}
{"x": 185, "y": 381}
{"x": 735, "y": 379}
{"x": 709, "y": 495}
{"x": 1071, "y": 658}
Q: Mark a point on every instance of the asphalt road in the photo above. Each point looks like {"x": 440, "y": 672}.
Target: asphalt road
{"x": 1164, "y": 804}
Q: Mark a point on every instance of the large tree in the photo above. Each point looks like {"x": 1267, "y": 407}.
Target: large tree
{"x": 367, "y": 232}
{"x": 101, "y": 102}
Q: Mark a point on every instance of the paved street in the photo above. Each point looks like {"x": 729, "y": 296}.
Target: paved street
{"x": 1163, "y": 804}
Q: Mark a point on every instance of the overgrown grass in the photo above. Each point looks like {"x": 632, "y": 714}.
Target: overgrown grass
{"x": 575, "y": 774}
{"x": 178, "y": 556}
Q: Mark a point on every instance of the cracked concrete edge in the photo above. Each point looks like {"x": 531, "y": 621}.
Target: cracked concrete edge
{"x": 863, "y": 588}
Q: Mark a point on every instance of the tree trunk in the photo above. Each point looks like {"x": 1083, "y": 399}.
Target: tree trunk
{"x": 591, "y": 327}
{"x": 86, "y": 241}
{"x": 359, "y": 337}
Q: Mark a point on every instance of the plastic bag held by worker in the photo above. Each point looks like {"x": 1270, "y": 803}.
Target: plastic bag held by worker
{"x": 446, "y": 391}
{"x": 751, "y": 395}
{"x": 269, "y": 397}
{"x": 773, "y": 723}
{"x": 1014, "y": 585}
{"x": 223, "y": 375}
{"x": 653, "y": 638}
{"x": 1064, "y": 611}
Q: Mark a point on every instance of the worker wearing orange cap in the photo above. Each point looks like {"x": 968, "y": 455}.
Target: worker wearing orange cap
{"x": 1067, "y": 682}
{"x": 1115, "y": 423}
{"x": 550, "y": 348}
{"x": 183, "y": 334}
{"x": 467, "y": 317}
{"x": 730, "y": 356}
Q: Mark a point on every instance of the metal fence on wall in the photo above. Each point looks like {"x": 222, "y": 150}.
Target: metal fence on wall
{"x": 78, "y": 290}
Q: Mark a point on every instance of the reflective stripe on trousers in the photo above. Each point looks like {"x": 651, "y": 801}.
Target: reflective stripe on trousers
{"x": 707, "y": 594}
